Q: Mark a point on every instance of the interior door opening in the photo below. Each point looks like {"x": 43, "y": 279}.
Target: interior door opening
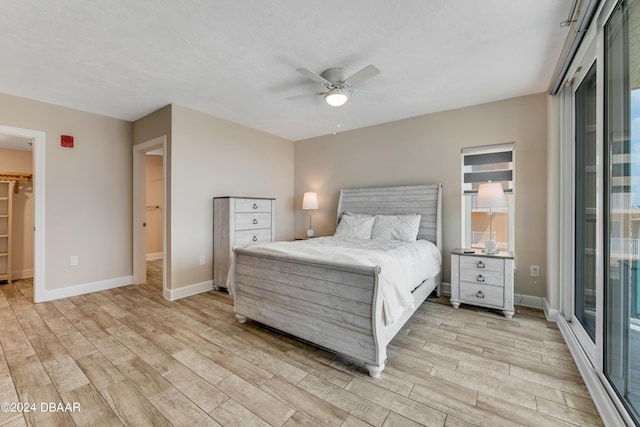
{"x": 149, "y": 219}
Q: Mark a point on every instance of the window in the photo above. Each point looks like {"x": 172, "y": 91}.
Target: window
{"x": 493, "y": 163}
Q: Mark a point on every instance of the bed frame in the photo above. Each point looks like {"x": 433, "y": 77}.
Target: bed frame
{"x": 336, "y": 306}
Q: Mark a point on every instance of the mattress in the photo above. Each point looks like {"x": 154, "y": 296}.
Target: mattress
{"x": 403, "y": 265}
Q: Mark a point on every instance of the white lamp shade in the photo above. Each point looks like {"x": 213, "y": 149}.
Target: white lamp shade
{"x": 490, "y": 195}
{"x": 336, "y": 97}
{"x": 310, "y": 200}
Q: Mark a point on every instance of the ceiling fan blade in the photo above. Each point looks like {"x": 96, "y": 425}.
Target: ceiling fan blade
{"x": 365, "y": 74}
{"x": 313, "y": 76}
{"x": 306, "y": 95}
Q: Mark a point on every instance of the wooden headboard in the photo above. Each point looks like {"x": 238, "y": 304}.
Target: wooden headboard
{"x": 424, "y": 200}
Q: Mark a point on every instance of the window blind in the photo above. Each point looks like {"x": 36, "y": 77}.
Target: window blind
{"x": 488, "y": 163}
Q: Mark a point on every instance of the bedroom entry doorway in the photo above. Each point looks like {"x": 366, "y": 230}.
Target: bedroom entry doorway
{"x": 24, "y": 150}
{"x": 149, "y": 214}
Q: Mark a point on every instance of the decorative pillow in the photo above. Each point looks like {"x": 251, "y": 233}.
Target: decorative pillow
{"x": 355, "y": 226}
{"x": 396, "y": 227}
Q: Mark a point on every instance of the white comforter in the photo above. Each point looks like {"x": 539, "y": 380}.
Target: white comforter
{"x": 404, "y": 265}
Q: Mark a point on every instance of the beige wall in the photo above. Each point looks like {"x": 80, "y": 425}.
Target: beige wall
{"x": 153, "y": 217}
{"x": 426, "y": 149}
{"x": 212, "y": 157}
{"x": 23, "y": 213}
{"x": 87, "y": 193}
{"x": 145, "y": 129}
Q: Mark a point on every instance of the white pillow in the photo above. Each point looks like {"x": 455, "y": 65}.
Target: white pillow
{"x": 396, "y": 227}
{"x": 355, "y": 226}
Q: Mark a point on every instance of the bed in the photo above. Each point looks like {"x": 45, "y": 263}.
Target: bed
{"x": 337, "y": 304}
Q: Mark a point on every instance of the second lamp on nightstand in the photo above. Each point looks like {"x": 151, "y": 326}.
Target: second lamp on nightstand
{"x": 481, "y": 279}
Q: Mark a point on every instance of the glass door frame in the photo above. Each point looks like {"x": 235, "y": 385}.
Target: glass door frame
{"x": 589, "y": 361}
{"x": 585, "y": 59}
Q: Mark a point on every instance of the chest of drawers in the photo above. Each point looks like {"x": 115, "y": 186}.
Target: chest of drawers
{"x": 482, "y": 280}
{"x": 238, "y": 221}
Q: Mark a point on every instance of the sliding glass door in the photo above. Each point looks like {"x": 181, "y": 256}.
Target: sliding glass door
{"x": 586, "y": 207}
{"x": 622, "y": 214}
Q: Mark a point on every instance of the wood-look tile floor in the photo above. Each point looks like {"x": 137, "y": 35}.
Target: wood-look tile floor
{"x": 128, "y": 357}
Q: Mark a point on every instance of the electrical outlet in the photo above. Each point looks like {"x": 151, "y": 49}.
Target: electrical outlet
{"x": 534, "y": 270}
{"x": 201, "y": 259}
{"x": 73, "y": 260}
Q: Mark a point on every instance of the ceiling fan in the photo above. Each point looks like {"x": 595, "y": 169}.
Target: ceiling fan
{"x": 339, "y": 89}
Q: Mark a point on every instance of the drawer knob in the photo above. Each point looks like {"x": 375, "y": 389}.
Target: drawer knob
{"x": 480, "y": 295}
{"x": 480, "y": 264}
{"x": 255, "y": 238}
{"x": 255, "y": 206}
{"x": 480, "y": 278}
{"x": 255, "y": 221}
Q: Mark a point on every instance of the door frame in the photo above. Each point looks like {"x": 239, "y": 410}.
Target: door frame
{"x": 139, "y": 211}
{"x": 586, "y": 58}
{"x": 38, "y": 139}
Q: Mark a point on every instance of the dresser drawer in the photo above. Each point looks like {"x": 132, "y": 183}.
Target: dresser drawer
{"x": 477, "y": 263}
{"x": 253, "y": 237}
{"x": 252, "y": 221}
{"x": 482, "y": 277}
{"x": 253, "y": 205}
{"x": 481, "y": 294}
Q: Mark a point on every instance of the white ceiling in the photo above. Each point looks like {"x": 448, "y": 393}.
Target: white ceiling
{"x": 15, "y": 143}
{"x": 237, "y": 60}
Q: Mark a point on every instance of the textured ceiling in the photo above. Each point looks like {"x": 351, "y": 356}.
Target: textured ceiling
{"x": 237, "y": 60}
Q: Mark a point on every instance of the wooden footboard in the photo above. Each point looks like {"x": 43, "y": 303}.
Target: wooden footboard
{"x": 336, "y": 306}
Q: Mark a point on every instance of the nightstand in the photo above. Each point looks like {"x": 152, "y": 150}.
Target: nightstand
{"x": 482, "y": 279}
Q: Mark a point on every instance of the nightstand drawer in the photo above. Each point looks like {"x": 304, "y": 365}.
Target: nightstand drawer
{"x": 252, "y": 221}
{"x": 482, "y": 277}
{"x": 482, "y": 294}
{"x": 253, "y": 205}
{"x": 253, "y": 237}
{"x": 477, "y": 263}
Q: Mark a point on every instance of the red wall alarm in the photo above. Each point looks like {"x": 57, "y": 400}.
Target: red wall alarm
{"x": 66, "y": 141}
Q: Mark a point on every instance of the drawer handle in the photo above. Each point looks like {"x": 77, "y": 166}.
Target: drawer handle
{"x": 480, "y": 264}
{"x": 255, "y": 206}
{"x": 255, "y": 238}
{"x": 480, "y": 278}
{"x": 480, "y": 295}
{"x": 255, "y": 221}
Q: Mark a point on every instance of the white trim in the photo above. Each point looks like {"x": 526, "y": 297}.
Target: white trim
{"x": 551, "y": 314}
{"x": 187, "y": 291}
{"x": 154, "y": 256}
{"x": 86, "y": 288}
{"x": 528, "y": 301}
{"x": 491, "y": 148}
{"x": 139, "y": 256}
{"x": 38, "y": 150}
{"x": 601, "y": 398}
{"x": 445, "y": 288}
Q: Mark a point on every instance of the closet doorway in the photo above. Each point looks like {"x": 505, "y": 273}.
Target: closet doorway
{"x": 149, "y": 213}
{"x": 22, "y": 153}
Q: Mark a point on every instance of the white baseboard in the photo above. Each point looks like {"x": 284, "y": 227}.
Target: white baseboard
{"x": 187, "y": 291}
{"x": 550, "y": 313}
{"x": 23, "y": 274}
{"x": 157, "y": 255}
{"x": 528, "y": 301}
{"x": 72, "y": 291}
{"x": 445, "y": 288}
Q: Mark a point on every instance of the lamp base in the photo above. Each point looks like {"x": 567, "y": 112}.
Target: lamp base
{"x": 491, "y": 247}
{"x": 310, "y": 232}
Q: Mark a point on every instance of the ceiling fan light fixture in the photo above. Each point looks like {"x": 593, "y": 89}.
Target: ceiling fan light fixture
{"x": 336, "y": 97}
